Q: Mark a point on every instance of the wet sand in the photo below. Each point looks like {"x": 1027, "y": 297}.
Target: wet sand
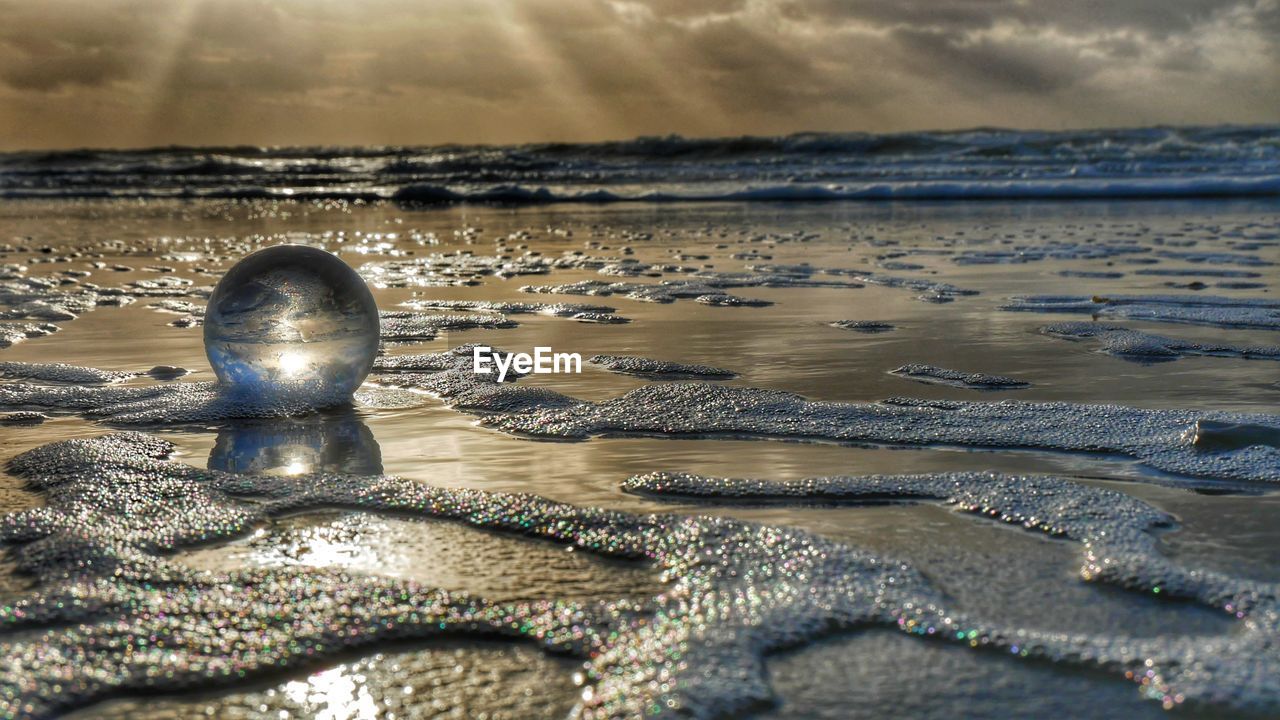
{"x": 944, "y": 275}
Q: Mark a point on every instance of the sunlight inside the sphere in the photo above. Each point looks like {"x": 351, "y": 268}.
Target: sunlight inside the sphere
{"x": 292, "y": 363}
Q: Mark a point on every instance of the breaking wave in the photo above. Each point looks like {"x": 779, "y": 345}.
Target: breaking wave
{"x": 976, "y": 164}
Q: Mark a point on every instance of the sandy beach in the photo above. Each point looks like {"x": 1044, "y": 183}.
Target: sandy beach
{"x": 853, "y": 319}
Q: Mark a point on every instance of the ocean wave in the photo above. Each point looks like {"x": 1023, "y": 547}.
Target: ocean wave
{"x": 419, "y": 193}
{"x": 983, "y": 163}
{"x": 527, "y": 195}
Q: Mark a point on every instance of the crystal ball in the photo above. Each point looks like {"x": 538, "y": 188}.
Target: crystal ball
{"x": 292, "y": 322}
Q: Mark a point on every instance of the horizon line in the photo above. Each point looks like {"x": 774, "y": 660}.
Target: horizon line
{"x": 640, "y": 138}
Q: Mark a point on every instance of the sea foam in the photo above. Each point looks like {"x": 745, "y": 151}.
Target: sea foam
{"x": 117, "y": 613}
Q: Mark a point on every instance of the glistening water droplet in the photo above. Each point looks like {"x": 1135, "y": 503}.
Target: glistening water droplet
{"x": 292, "y": 321}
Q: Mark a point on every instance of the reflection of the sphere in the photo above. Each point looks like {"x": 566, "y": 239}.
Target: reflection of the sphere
{"x": 335, "y": 441}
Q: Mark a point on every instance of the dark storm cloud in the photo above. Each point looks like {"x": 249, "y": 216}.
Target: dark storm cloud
{"x": 54, "y": 71}
{"x": 44, "y": 52}
{"x": 1156, "y": 17}
{"x": 109, "y": 72}
{"x": 1016, "y": 64}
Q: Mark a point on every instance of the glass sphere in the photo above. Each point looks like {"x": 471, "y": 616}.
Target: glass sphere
{"x": 292, "y": 322}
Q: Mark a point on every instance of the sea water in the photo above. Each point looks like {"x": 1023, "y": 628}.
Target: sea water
{"x": 800, "y": 532}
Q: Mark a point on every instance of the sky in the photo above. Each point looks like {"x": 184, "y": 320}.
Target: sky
{"x": 129, "y": 73}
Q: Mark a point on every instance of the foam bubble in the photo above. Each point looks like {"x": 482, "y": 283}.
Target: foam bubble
{"x": 1154, "y": 437}
{"x": 1139, "y": 346}
{"x": 118, "y": 611}
{"x": 1259, "y": 313}
{"x": 646, "y": 367}
{"x": 956, "y": 378}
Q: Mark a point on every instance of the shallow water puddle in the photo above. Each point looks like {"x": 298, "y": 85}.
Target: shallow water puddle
{"x": 435, "y": 554}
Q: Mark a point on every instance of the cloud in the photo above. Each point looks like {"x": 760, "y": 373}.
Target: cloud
{"x": 51, "y": 72}
{"x": 140, "y": 72}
